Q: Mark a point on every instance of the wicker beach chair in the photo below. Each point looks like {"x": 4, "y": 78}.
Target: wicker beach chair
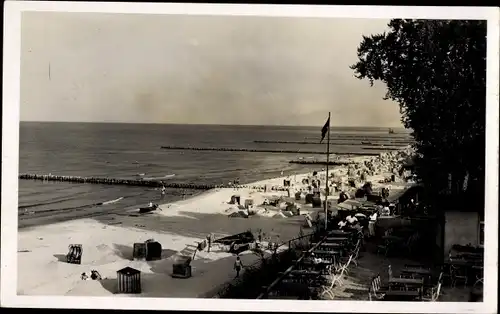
{"x": 74, "y": 255}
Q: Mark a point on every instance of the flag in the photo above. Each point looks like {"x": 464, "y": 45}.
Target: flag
{"x": 325, "y": 129}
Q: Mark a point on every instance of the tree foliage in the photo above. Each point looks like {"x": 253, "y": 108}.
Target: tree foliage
{"x": 436, "y": 71}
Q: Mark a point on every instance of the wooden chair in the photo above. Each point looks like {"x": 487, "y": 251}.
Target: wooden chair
{"x": 345, "y": 267}
{"x": 376, "y": 290}
{"x": 355, "y": 255}
{"x": 335, "y": 279}
{"x": 440, "y": 278}
{"x": 458, "y": 274}
{"x": 434, "y": 295}
{"x": 408, "y": 244}
{"x": 430, "y": 286}
{"x": 479, "y": 276}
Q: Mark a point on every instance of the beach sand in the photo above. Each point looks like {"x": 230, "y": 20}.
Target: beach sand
{"x": 108, "y": 241}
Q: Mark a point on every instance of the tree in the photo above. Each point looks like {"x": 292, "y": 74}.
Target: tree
{"x": 436, "y": 71}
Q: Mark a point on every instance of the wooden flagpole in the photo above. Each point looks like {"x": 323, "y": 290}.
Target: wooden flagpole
{"x": 327, "y": 192}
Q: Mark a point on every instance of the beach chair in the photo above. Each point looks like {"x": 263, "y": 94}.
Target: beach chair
{"x": 182, "y": 267}
{"x": 153, "y": 250}
{"x": 74, "y": 255}
{"x": 316, "y": 202}
{"x": 139, "y": 251}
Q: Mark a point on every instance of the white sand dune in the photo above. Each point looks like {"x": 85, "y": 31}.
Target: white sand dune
{"x": 107, "y": 244}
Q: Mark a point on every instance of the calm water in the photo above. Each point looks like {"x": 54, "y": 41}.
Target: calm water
{"x": 125, "y": 150}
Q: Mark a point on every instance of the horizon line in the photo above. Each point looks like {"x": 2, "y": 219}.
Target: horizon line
{"x": 217, "y": 124}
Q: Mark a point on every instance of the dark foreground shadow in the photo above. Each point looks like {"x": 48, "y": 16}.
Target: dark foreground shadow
{"x": 60, "y": 257}
{"x": 110, "y": 285}
{"x": 124, "y": 251}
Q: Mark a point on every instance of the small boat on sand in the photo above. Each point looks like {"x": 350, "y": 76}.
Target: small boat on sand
{"x": 148, "y": 209}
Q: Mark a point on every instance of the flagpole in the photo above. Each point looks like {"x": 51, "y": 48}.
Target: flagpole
{"x": 327, "y": 192}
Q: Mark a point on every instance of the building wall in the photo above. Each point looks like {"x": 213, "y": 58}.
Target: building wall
{"x": 460, "y": 228}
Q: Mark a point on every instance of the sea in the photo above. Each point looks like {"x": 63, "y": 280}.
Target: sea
{"x": 120, "y": 150}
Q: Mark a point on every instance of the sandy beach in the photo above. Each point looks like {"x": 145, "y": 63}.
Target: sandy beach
{"x": 108, "y": 241}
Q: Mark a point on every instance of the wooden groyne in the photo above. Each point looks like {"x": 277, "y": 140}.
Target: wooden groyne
{"x": 225, "y": 149}
{"x": 115, "y": 181}
{"x": 395, "y": 136}
{"x": 134, "y": 182}
{"x": 401, "y": 144}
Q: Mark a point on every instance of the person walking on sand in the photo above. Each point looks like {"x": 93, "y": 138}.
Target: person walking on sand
{"x": 237, "y": 266}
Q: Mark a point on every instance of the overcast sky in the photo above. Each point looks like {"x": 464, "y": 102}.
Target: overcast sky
{"x": 197, "y": 69}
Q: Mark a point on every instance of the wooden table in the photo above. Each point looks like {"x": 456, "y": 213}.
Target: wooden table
{"x": 322, "y": 252}
{"x": 331, "y": 245}
{"x": 340, "y": 233}
{"x": 315, "y": 266}
{"x": 466, "y": 249}
{"x": 463, "y": 262}
{"x": 420, "y": 271}
{"x": 305, "y": 273}
{"x": 336, "y": 239}
{"x": 406, "y": 281}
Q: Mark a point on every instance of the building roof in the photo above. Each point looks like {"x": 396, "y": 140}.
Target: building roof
{"x": 129, "y": 271}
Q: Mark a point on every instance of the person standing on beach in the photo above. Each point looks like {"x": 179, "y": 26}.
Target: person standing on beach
{"x": 209, "y": 241}
{"x": 237, "y": 266}
{"x": 163, "y": 191}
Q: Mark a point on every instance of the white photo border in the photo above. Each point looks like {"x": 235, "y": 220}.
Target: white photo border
{"x": 10, "y": 156}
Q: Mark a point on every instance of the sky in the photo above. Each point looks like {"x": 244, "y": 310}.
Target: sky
{"x": 142, "y": 68}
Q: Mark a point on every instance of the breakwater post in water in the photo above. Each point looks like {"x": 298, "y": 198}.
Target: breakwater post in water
{"x": 133, "y": 182}
{"x": 335, "y": 143}
{"x": 250, "y": 150}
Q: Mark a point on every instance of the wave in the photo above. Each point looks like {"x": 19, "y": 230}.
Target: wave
{"x": 69, "y": 208}
{"x": 112, "y": 201}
